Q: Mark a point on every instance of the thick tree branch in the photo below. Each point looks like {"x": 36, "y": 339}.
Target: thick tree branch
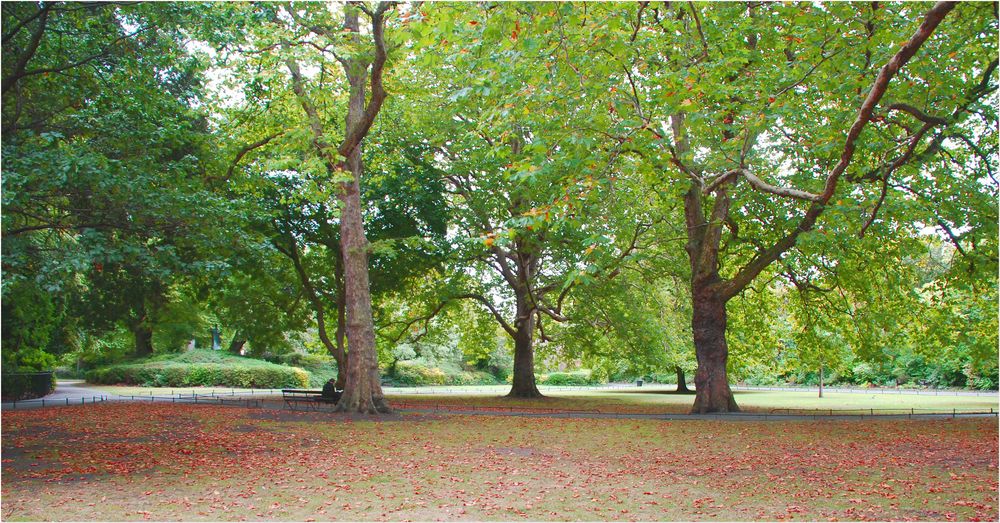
{"x": 246, "y": 150}
{"x": 918, "y": 114}
{"x": 29, "y": 52}
{"x": 489, "y": 305}
{"x": 750, "y": 271}
{"x": 356, "y": 132}
{"x": 760, "y": 185}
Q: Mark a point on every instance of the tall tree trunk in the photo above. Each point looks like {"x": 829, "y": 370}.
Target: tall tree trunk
{"x": 681, "y": 382}
{"x": 143, "y": 335}
{"x": 237, "y": 343}
{"x": 711, "y": 381}
{"x": 708, "y": 300}
{"x": 523, "y": 385}
{"x": 362, "y": 385}
{"x": 709, "y": 292}
{"x": 142, "y": 331}
{"x": 821, "y": 381}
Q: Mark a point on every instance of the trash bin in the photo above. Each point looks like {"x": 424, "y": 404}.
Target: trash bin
{"x": 638, "y": 383}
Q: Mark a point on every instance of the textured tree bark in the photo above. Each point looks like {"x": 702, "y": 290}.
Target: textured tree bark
{"x": 708, "y": 300}
{"x": 711, "y": 381}
{"x": 523, "y": 385}
{"x": 362, "y": 384}
{"x": 681, "y": 382}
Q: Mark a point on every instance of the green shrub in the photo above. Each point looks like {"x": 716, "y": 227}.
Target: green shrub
{"x": 410, "y": 373}
{"x": 191, "y": 369}
{"x": 575, "y": 378}
{"x": 299, "y": 359}
{"x": 669, "y": 378}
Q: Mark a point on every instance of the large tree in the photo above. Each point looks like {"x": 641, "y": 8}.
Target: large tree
{"x": 362, "y": 58}
{"x": 103, "y": 158}
{"x": 782, "y": 119}
{"x": 523, "y": 156}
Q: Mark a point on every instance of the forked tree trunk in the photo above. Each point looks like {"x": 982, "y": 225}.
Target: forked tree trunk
{"x": 708, "y": 292}
{"x": 523, "y": 385}
{"x": 712, "y": 393}
{"x": 362, "y": 384}
{"x": 681, "y": 382}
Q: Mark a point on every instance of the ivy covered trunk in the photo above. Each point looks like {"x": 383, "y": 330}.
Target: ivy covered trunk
{"x": 711, "y": 381}
{"x": 523, "y": 385}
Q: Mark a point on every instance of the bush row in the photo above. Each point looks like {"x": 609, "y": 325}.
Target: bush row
{"x": 201, "y": 374}
{"x": 27, "y": 385}
{"x": 411, "y": 374}
{"x": 580, "y": 377}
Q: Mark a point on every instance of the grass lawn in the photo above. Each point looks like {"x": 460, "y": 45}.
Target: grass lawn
{"x": 661, "y": 401}
{"x": 646, "y": 400}
{"x": 135, "y": 390}
{"x": 184, "y": 462}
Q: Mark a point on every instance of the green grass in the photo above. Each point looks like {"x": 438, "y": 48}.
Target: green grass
{"x": 169, "y": 462}
{"x": 645, "y": 400}
{"x": 660, "y": 400}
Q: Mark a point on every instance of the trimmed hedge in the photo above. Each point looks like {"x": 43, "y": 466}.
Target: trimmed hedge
{"x": 27, "y": 385}
{"x": 261, "y": 375}
{"x": 412, "y": 374}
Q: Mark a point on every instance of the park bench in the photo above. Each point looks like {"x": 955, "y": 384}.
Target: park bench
{"x": 311, "y": 398}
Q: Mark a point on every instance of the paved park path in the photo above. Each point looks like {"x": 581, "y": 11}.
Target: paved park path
{"x": 73, "y": 392}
